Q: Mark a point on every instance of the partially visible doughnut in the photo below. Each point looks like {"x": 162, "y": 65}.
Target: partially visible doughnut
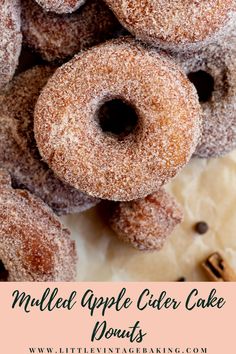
{"x": 11, "y": 38}
{"x": 213, "y": 71}
{"x": 173, "y": 23}
{"x": 164, "y": 105}
{"x": 34, "y": 245}
{"x": 61, "y": 6}
{"x": 146, "y": 223}
{"x": 18, "y": 151}
{"x": 57, "y": 37}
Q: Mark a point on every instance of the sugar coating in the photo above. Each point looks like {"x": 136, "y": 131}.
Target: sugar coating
{"x": 69, "y": 136}
{"x": 177, "y": 24}
{"x": 60, "y": 6}
{"x": 219, "y": 112}
{"x": 11, "y": 38}
{"x": 18, "y": 151}
{"x": 146, "y": 223}
{"x": 34, "y": 245}
{"x": 57, "y": 37}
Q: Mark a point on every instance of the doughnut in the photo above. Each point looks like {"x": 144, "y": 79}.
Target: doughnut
{"x": 18, "y": 151}
{"x": 34, "y": 245}
{"x": 146, "y": 223}
{"x": 61, "y": 6}
{"x": 173, "y": 23}
{"x": 57, "y": 37}
{"x": 147, "y": 90}
{"x": 213, "y": 72}
{"x": 11, "y": 38}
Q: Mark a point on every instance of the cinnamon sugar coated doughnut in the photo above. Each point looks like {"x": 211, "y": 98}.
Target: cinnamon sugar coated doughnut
{"x": 18, "y": 151}
{"x": 173, "y": 23}
{"x": 57, "y": 37}
{"x": 213, "y": 71}
{"x": 34, "y": 245}
{"x": 61, "y": 6}
{"x": 145, "y": 223}
{"x": 11, "y": 38}
{"x": 68, "y": 120}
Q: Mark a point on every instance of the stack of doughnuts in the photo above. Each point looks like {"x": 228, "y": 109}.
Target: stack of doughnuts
{"x": 126, "y": 94}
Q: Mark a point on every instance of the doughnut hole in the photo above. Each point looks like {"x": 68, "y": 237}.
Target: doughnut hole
{"x": 117, "y": 117}
{"x": 3, "y": 272}
{"x": 204, "y": 84}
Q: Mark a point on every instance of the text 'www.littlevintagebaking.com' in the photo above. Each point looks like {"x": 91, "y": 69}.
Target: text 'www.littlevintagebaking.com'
{"x": 76, "y": 350}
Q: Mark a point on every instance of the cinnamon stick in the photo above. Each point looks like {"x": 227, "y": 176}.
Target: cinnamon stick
{"x": 218, "y": 269}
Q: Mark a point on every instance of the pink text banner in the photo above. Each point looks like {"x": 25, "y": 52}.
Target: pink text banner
{"x": 118, "y": 318}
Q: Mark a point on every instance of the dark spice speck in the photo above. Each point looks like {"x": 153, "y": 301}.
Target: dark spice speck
{"x": 201, "y": 227}
{"x": 182, "y": 279}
